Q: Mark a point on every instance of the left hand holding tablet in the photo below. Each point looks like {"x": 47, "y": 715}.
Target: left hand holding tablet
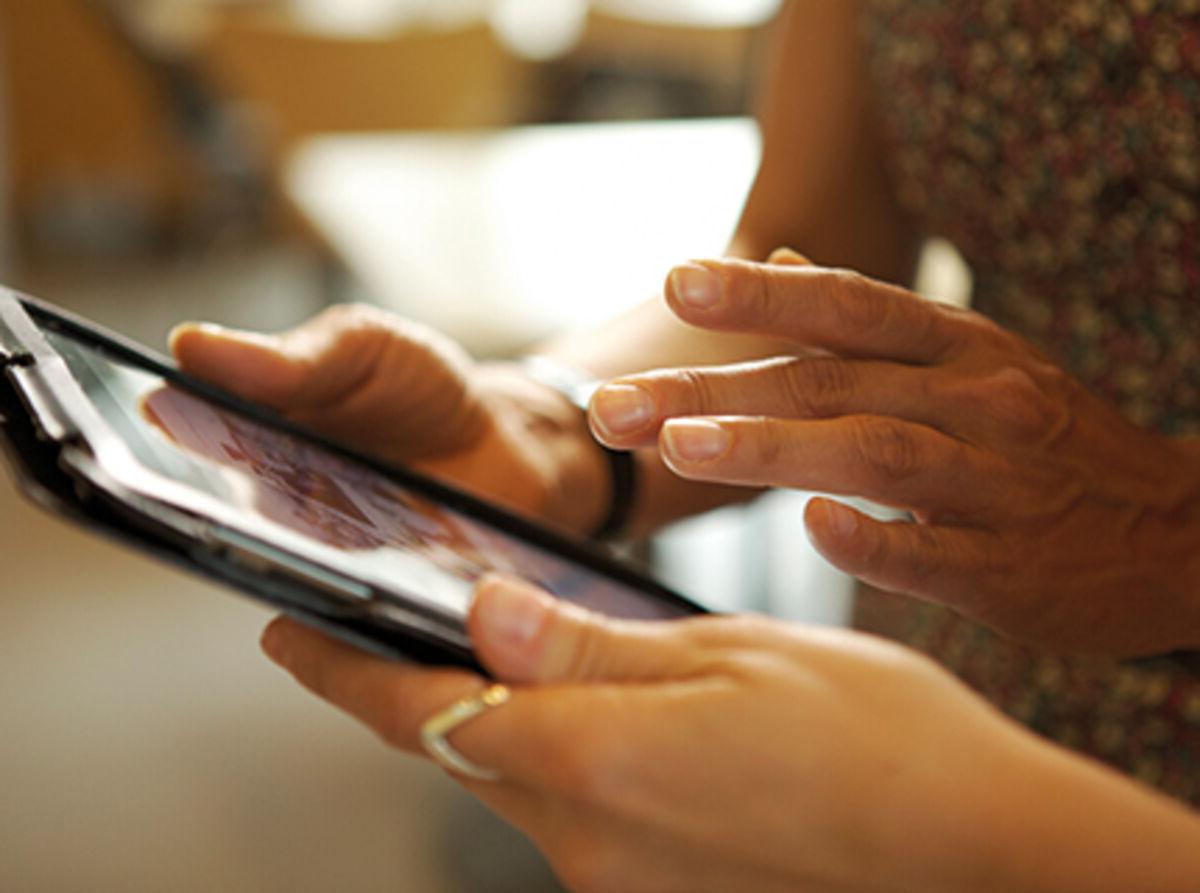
{"x": 740, "y": 754}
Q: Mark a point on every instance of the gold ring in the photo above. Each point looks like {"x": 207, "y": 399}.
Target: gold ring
{"x": 435, "y": 729}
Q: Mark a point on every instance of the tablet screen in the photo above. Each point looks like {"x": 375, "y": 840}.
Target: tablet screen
{"x": 359, "y": 521}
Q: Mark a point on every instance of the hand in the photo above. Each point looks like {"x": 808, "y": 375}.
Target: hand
{"x": 742, "y": 754}
{"x": 1037, "y": 508}
{"x": 409, "y": 395}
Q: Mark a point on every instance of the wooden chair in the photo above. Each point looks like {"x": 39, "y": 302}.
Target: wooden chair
{"x": 312, "y": 82}
{"x": 653, "y": 68}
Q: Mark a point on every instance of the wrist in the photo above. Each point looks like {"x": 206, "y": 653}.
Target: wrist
{"x": 953, "y": 823}
{"x": 999, "y": 809}
{"x": 539, "y": 422}
{"x": 576, "y": 389}
{"x": 1061, "y": 822}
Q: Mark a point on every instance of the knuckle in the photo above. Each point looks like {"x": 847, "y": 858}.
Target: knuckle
{"x": 1017, "y": 403}
{"x": 982, "y": 330}
{"x": 926, "y": 561}
{"x": 350, "y": 317}
{"x": 887, "y": 449}
{"x": 771, "y": 444}
{"x": 762, "y": 297}
{"x": 858, "y": 305}
{"x": 695, "y": 391}
{"x": 914, "y": 564}
{"x": 355, "y": 331}
{"x": 873, "y": 555}
{"x": 586, "y": 652}
{"x": 986, "y": 333}
{"x": 576, "y": 643}
{"x": 818, "y": 387}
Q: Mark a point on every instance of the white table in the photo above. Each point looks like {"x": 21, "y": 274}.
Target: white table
{"x": 501, "y": 237}
{"x": 546, "y": 28}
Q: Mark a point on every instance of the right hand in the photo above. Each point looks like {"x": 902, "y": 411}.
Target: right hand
{"x": 727, "y": 753}
{"x": 409, "y": 395}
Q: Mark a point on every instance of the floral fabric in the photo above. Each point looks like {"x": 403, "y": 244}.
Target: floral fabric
{"x": 1058, "y": 146}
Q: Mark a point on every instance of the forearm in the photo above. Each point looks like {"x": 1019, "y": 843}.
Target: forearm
{"x": 821, "y": 189}
{"x": 1067, "y": 824}
{"x": 985, "y": 806}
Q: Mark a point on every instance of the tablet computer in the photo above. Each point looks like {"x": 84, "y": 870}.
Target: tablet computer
{"x": 99, "y": 430}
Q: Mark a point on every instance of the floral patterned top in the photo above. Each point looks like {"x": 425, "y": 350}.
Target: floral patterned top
{"x": 1058, "y": 146}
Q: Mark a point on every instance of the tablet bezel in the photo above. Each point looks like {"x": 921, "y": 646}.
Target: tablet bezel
{"x": 86, "y": 457}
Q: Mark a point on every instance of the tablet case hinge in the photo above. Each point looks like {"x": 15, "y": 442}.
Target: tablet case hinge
{"x": 14, "y": 349}
{"x": 8, "y": 359}
{"x": 45, "y": 411}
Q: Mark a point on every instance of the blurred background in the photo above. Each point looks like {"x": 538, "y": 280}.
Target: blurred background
{"x": 499, "y": 168}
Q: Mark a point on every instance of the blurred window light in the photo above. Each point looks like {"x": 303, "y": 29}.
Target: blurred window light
{"x": 366, "y": 17}
{"x": 702, "y": 13}
{"x": 534, "y": 28}
{"x": 537, "y": 29}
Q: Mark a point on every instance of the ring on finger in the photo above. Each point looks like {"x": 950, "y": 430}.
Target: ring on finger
{"x": 434, "y": 731}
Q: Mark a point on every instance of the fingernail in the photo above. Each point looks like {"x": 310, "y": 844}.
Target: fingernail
{"x": 842, "y": 521}
{"x": 622, "y": 408}
{"x": 697, "y": 287}
{"x": 181, "y": 329}
{"x": 274, "y": 642}
{"x": 511, "y": 613}
{"x": 204, "y": 328}
{"x": 225, "y": 333}
{"x": 696, "y": 440}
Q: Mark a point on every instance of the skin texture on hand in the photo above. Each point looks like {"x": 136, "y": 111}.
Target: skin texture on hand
{"x": 400, "y": 391}
{"x": 1036, "y": 508}
{"x": 741, "y": 754}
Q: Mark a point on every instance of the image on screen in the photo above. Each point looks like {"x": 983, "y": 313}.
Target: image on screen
{"x": 375, "y": 529}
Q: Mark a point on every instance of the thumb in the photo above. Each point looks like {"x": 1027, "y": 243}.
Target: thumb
{"x": 254, "y": 366}
{"x": 316, "y": 364}
{"x": 525, "y": 635}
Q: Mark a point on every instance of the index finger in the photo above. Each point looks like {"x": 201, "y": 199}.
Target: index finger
{"x": 317, "y": 365}
{"x": 393, "y": 699}
{"x": 519, "y": 738}
{"x": 549, "y": 738}
{"x": 836, "y": 310}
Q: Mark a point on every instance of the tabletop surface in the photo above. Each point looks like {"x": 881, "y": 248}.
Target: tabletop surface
{"x": 501, "y": 237}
